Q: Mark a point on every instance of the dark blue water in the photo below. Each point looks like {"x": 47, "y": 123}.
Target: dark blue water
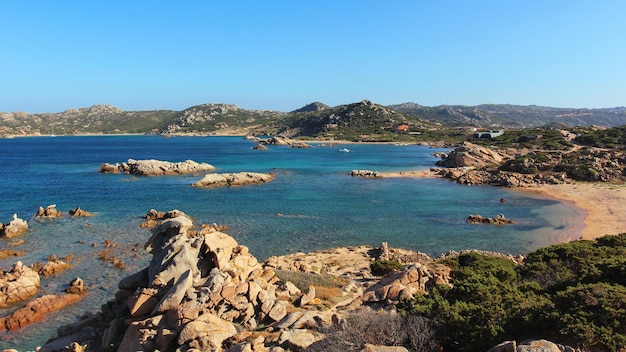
{"x": 312, "y": 204}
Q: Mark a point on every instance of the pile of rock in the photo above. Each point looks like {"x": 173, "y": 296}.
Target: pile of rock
{"x": 500, "y": 219}
{"x": 496, "y": 177}
{"x": 233, "y": 179}
{"x": 13, "y": 228}
{"x": 366, "y": 173}
{"x": 203, "y": 291}
{"x": 153, "y": 167}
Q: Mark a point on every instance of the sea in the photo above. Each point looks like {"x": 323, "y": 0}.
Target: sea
{"x": 312, "y": 204}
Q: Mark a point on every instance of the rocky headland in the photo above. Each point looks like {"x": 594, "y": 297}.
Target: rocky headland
{"x": 472, "y": 164}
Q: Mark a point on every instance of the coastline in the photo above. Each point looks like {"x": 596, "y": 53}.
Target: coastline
{"x": 603, "y": 205}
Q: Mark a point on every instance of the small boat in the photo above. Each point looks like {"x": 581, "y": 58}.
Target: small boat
{"x": 344, "y": 150}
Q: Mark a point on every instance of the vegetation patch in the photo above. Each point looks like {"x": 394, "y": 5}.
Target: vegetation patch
{"x": 383, "y": 267}
{"x": 573, "y": 293}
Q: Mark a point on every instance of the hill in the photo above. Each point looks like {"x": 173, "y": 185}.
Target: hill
{"x": 513, "y": 116}
{"x": 363, "y": 120}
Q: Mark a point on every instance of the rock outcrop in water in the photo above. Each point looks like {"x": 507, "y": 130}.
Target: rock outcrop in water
{"x": 233, "y": 179}
{"x": 203, "y": 291}
{"x": 500, "y": 219}
{"x": 153, "y": 167}
{"x": 14, "y": 228}
{"x": 49, "y": 212}
{"x": 19, "y": 284}
{"x": 366, "y": 173}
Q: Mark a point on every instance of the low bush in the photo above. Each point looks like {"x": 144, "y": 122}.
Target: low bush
{"x": 383, "y": 267}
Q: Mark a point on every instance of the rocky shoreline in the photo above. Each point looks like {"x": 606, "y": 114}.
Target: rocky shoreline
{"x": 204, "y": 291}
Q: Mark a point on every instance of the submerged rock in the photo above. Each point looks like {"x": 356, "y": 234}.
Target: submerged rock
{"x": 36, "y": 310}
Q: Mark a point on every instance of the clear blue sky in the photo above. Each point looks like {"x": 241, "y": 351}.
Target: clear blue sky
{"x": 282, "y": 55}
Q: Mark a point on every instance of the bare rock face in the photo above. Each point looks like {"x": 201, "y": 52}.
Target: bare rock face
{"x": 20, "y": 284}
{"x": 151, "y": 167}
{"x": 233, "y": 179}
{"x": 14, "y": 228}
{"x": 471, "y": 155}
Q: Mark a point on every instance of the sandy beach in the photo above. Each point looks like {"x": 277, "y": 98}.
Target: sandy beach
{"x": 604, "y": 204}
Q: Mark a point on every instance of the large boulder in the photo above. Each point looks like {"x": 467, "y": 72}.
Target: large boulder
{"x": 20, "y": 284}
{"x": 14, "y": 228}
{"x": 471, "y": 155}
{"x": 233, "y": 179}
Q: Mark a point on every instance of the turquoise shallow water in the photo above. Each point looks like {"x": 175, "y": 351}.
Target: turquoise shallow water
{"x": 312, "y": 204}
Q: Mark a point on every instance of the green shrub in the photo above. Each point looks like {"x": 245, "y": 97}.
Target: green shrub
{"x": 570, "y": 293}
{"x": 383, "y": 267}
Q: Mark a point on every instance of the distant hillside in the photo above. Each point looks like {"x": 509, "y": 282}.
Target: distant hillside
{"x": 504, "y": 115}
{"x": 225, "y": 119}
{"x": 95, "y": 119}
{"x": 364, "y": 120}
